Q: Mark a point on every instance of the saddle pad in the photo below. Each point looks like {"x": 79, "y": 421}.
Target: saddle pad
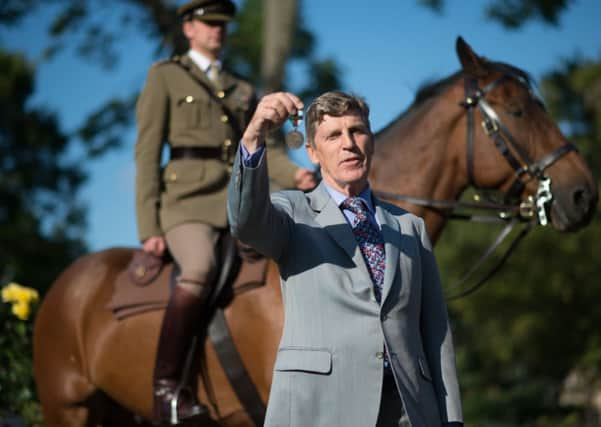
{"x": 129, "y": 299}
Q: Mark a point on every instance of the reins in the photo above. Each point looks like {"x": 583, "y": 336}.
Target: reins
{"x": 512, "y": 211}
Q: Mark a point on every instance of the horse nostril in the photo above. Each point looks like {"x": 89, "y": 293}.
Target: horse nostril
{"x": 581, "y": 197}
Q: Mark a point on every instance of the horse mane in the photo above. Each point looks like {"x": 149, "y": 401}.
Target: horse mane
{"x": 428, "y": 90}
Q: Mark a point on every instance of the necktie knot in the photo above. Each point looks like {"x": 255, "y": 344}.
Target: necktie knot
{"x": 356, "y": 206}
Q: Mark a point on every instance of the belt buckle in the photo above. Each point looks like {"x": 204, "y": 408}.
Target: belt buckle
{"x": 225, "y": 150}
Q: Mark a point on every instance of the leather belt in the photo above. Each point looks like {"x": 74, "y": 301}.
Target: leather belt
{"x": 196, "y": 153}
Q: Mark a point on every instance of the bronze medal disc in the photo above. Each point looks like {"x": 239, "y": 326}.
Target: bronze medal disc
{"x": 294, "y": 139}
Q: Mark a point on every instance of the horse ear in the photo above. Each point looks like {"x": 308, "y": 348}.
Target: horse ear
{"x": 471, "y": 63}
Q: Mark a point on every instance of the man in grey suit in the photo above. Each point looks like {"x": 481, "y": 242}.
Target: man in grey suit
{"x": 366, "y": 340}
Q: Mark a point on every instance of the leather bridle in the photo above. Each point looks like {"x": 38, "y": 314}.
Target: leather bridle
{"x": 512, "y": 210}
{"x": 504, "y": 141}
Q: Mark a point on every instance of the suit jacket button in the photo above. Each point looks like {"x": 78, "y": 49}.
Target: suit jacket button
{"x": 224, "y": 119}
{"x": 380, "y": 355}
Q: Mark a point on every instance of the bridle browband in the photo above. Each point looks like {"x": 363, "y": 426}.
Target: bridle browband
{"x": 512, "y": 210}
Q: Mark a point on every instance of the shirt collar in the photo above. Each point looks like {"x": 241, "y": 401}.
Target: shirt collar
{"x": 202, "y": 61}
{"x": 365, "y": 195}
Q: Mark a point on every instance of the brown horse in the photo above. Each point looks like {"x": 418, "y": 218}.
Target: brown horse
{"x": 87, "y": 364}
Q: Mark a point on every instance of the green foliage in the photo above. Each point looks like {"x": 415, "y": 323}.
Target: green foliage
{"x": 17, "y": 388}
{"x": 573, "y": 95}
{"x": 11, "y": 11}
{"x": 513, "y": 14}
{"x": 435, "y": 5}
{"x": 245, "y": 43}
{"x": 41, "y": 222}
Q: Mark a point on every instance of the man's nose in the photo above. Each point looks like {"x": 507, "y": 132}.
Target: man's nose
{"x": 348, "y": 141}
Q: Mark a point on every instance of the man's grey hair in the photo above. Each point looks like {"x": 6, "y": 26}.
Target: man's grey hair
{"x": 335, "y": 104}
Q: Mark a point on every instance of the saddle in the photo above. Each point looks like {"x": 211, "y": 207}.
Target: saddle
{"x": 147, "y": 282}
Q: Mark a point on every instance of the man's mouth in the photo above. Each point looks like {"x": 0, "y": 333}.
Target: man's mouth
{"x": 352, "y": 161}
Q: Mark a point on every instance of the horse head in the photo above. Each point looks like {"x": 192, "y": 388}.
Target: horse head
{"x": 518, "y": 148}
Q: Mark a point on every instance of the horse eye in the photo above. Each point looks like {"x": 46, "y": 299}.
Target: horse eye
{"x": 516, "y": 113}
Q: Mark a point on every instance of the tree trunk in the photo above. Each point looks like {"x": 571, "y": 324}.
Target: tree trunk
{"x": 278, "y": 31}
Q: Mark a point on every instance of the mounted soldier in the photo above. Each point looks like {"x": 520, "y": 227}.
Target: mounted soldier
{"x": 198, "y": 109}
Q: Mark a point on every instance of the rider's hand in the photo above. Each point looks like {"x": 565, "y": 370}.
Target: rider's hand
{"x": 154, "y": 245}
{"x": 305, "y": 179}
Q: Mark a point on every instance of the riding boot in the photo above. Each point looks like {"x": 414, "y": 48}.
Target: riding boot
{"x": 181, "y": 323}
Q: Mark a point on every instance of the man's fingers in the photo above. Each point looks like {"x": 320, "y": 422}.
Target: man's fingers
{"x": 271, "y": 113}
{"x": 278, "y": 106}
{"x": 155, "y": 245}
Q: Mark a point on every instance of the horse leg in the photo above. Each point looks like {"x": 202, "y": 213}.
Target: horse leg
{"x": 61, "y": 383}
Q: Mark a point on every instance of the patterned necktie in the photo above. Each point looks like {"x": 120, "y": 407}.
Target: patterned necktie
{"x": 370, "y": 242}
{"x": 213, "y": 74}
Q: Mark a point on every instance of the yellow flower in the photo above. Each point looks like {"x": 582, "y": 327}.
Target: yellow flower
{"x": 21, "y": 310}
{"x": 20, "y": 297}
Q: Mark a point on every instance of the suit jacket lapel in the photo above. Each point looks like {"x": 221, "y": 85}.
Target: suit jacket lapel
{"x": 331, "y": 218}
{"x": 392, "y": 242}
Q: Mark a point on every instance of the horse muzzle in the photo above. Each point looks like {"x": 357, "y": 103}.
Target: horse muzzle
{"x": 574, "y": 208}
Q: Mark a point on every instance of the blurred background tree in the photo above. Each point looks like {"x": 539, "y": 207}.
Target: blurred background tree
{"x": 41, "y": 223}
{"x": 529, "y": 346}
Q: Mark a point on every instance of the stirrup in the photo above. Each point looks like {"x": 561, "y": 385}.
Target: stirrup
{"x": 170, "y": 400}
{"x": 196, "y": 408}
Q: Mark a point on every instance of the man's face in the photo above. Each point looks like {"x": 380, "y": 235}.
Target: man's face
{"x": 343, "y": 147}
{"x": 205, "y": 37}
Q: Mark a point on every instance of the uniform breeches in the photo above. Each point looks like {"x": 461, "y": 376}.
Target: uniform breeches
{"x": 193, "y": 246}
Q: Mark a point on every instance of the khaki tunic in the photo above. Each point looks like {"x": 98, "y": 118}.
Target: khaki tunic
{"x": 174, "y": 109}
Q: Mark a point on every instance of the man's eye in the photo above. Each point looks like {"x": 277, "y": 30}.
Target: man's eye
{"x": 516, "y": 113}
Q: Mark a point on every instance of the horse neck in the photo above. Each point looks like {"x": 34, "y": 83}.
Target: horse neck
{"x": 423, "y": 155}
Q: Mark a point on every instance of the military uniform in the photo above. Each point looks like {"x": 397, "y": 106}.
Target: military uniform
{"x": 174, "y": 109}
{"x": 185, "y": 202}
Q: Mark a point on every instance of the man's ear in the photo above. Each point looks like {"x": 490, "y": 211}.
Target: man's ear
{"x": 312, "y": 154}
{"x": 187, "y": 28}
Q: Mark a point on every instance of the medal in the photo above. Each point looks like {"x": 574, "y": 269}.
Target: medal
{"x": 295, "y": 138}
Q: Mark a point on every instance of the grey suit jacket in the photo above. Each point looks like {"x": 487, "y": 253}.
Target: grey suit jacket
{"x": 329, "y": 367}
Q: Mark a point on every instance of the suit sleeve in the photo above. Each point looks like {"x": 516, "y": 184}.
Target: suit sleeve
{"x": 436, "y": 334}
{"x": 152, "y": 112}
{"x": 281, "y": 169}
{"x": 252, "y": 216}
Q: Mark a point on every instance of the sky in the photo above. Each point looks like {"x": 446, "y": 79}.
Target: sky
{"x": 385, "y": 48}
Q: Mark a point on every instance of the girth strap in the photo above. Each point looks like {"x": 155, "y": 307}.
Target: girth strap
{"x": 228, "y": 355}
{"x": 234, "y": 369}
